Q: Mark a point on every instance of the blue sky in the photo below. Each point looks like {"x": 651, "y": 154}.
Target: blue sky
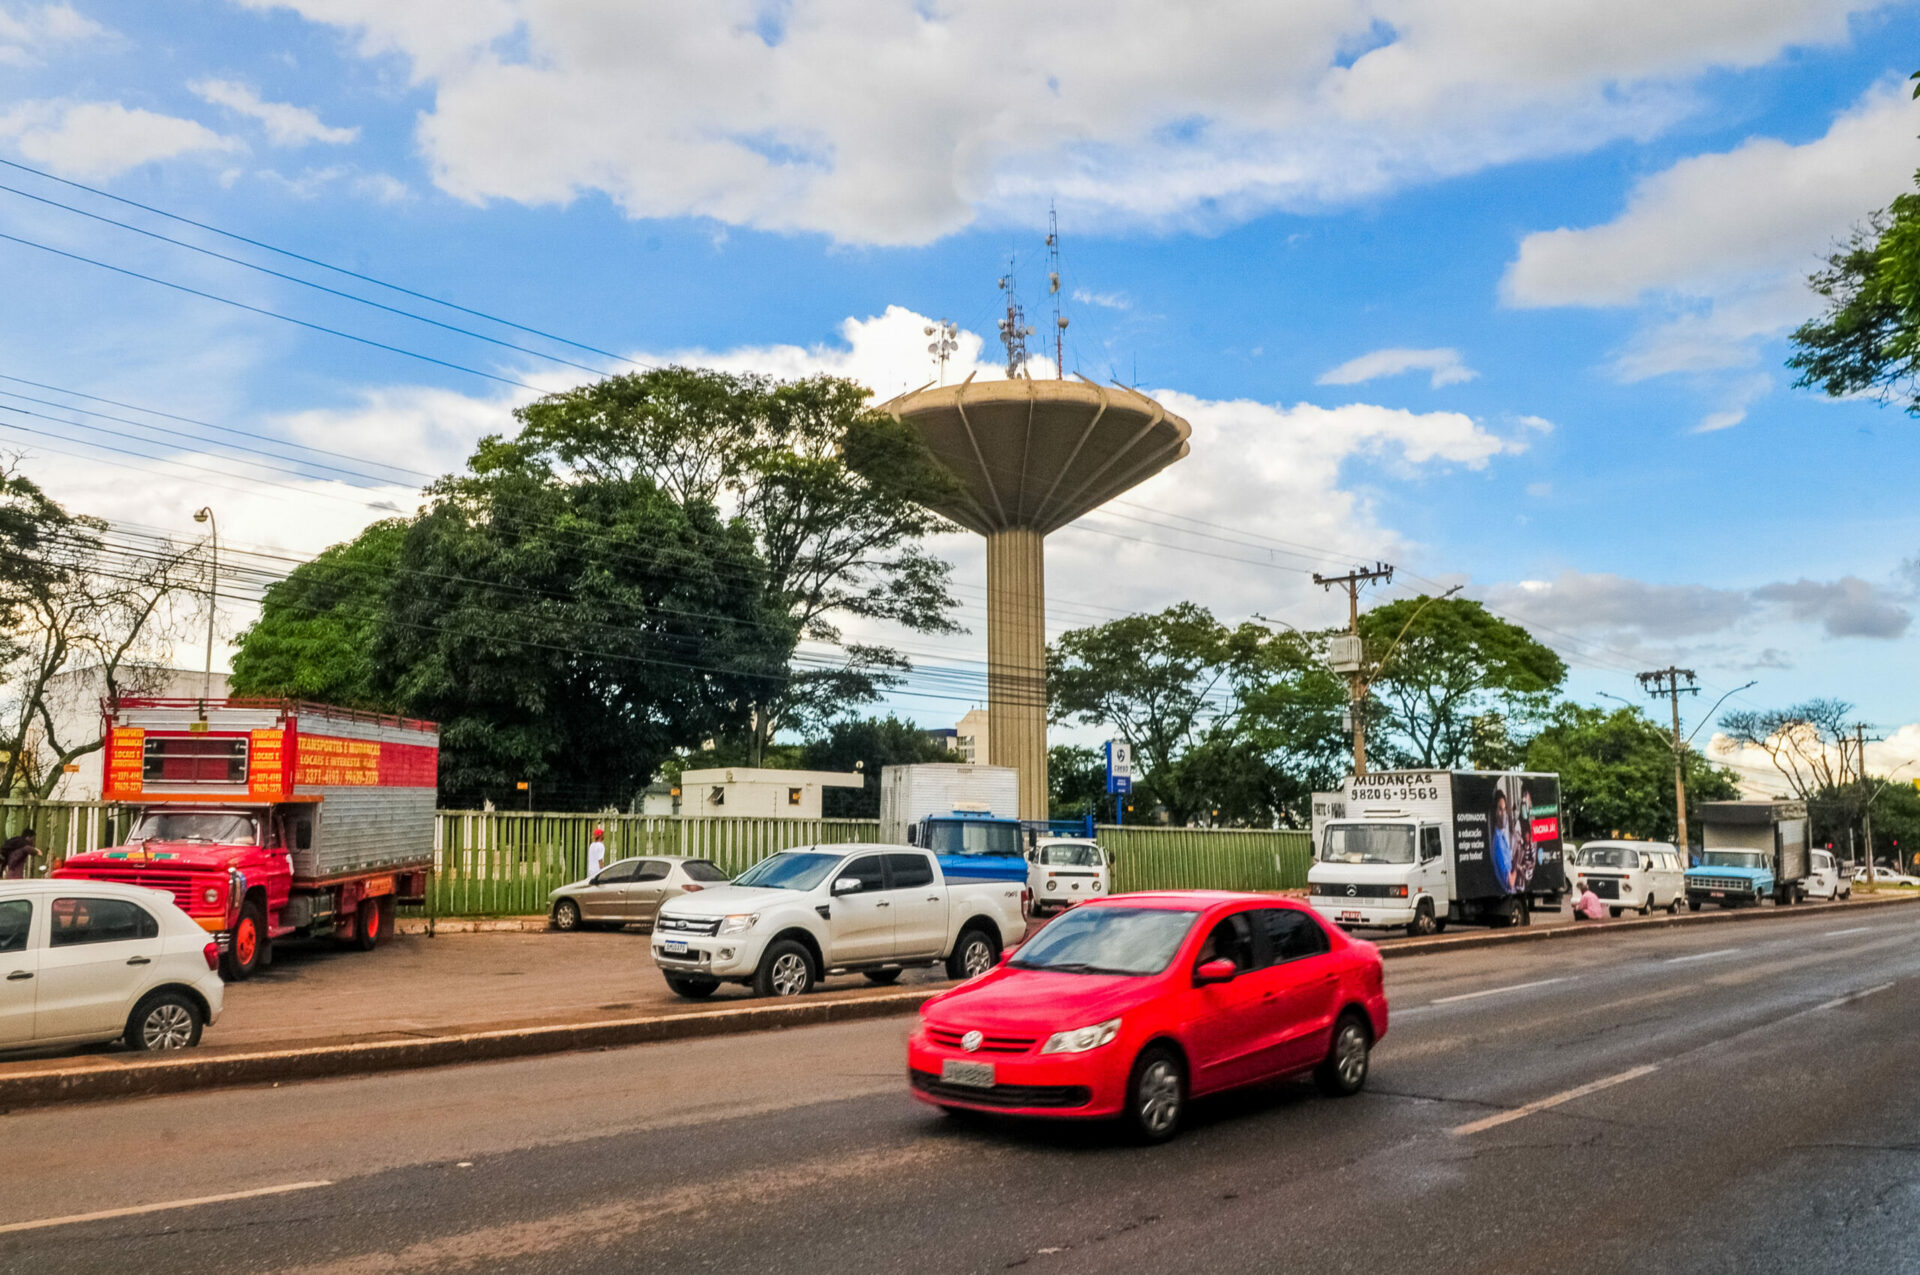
{"x": 1497, "y": 292}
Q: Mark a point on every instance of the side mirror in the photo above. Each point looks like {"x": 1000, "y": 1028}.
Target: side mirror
{"x": 846, "y": 885}
{"x": 1033, "y": 856}
{"x": 1219, "y": 970}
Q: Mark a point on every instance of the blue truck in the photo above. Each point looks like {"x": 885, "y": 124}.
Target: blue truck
{"x": 1751, "y": 850}
{"x": 968, "y": 815}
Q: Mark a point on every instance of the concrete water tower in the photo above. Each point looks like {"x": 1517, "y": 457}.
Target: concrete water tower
{"x": 1032, "y": 456}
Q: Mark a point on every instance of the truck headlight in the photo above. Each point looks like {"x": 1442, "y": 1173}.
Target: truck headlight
{"x": 1081, "y": 1039}
{"x": 211, "y": 894}
{"x": 739, "y": 923}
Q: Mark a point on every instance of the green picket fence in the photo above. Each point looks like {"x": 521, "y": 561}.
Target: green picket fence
{"x": 495, "y": 863}
{"x": 1154, "y": 858}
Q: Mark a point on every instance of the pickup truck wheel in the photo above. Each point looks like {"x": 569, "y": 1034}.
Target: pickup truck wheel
{"x": 785, "y": 970}
{"x": 566, "y": 916}
{"x": 1344, "y": 1072}
{"x": 163, "y": 1022}
{"x": 883, "y": 977}
{"x": 973, "y": 955}
{"x": 238, "y": 963}
{"x": 694, "y": 989}
{"x": 1156, "y": 1094}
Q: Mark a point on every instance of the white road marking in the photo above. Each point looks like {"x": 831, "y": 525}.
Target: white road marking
{"x": 1858, "y": 929}
{"x": 1701, "y": 956}
{"x": 1851, "y": 997}
{"x": 138, "y": 1209}
{"x": 1489, "y": 1122}
{"x": 1495, "y": 991}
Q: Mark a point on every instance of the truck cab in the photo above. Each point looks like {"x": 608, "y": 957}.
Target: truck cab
{"x": 974, "y": 844}
{"x": 1730, "y": 878}
{"x": 1385, "y": 873}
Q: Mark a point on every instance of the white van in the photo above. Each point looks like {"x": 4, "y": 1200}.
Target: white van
{"x": 1063, "y": 871}
{"x": 1632, "y": 876}
{"x": 1827, "y": 881}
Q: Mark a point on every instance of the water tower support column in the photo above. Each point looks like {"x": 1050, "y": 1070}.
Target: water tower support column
{"x": 1017, "y": 662}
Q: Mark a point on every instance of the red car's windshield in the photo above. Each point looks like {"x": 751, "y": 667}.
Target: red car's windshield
{"x": 1134, "y": 941}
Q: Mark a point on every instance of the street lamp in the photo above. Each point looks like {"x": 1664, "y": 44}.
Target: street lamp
{"x": 205, "y": 514}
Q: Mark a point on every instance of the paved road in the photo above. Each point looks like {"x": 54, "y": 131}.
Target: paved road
{"x": 1721, "y": 1098}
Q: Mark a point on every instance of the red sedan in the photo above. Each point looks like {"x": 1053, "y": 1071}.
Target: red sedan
{"x": 1128, "y": 1006}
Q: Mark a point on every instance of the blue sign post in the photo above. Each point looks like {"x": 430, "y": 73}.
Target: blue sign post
{"x": 1119, "y": 777}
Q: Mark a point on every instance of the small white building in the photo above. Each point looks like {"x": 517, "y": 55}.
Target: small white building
{"x": 73, "y": 699}
{"x": 746, "y": 792}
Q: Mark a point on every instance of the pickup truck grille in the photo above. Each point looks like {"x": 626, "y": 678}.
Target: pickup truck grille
{"x": 1004, "y": 1095}
{"x": 178, "y": 884}
{"x": 1740, "y": 884}
{"x": 687, "y": 925}
{"x": 1333, "y": 890}
{"x": 949, "y": 1038}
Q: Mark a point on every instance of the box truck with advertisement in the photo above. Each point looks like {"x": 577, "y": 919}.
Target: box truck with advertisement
{"x": 266, "y": 819}
{"x": 1417, "y": 849}
{"x": 968, "y": 815}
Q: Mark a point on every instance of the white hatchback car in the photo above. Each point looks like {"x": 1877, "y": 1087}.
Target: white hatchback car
{"x": 89, "y": 961}
{"x": 1632, "y": 876}
{"x": 1063, "y": 871}
{"x": 1827, "y": 881}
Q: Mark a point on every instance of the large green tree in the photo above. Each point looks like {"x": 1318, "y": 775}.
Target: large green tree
{"x": 317, "y": 630}
{"x": 1446, "y": 665}
{"x": 1616, "y": 773}
{"x": 833, "y": 493}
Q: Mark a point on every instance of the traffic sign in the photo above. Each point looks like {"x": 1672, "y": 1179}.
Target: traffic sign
{"x": 1119, "y": 766}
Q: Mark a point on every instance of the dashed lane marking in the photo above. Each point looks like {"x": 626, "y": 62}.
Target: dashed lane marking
{"x": 138, "y": 1209}
{"x": 1532, "y": 1108}
{"x": 1851, "y": 997}
{"x": 1701, "y": 956}
{"x": 1858, "y": 929}
{"x": 1496, "y": 991}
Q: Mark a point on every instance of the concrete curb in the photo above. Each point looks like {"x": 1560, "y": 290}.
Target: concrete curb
{"x": 1583, "y": 930}
{"x": 472, "y": 925}
{"x": 175, "y": 1075}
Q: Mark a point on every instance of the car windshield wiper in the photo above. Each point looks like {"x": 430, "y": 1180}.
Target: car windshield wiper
{"x": 1071, "y": 967}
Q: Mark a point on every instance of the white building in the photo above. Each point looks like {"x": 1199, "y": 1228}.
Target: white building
{"x": 970, "y": 736}
{"x": 74, "y": 702}
{"x": 742, "y": 791}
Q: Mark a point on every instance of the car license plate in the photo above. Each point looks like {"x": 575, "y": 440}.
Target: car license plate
{"x": 674, "y": 947}
{"x": 1349, "y": 916}
{"x": 972, "y": 1074}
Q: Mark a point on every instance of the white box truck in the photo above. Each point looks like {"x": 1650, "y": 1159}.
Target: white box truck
{"x": 968, "y": 815}
{"x": 1416, "y": 849}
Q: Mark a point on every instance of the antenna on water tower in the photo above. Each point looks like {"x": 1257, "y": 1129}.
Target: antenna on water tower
{"x": 946, "y": 339}
{"x": 1013, "y": 329}
{"x": 1053, "y": 287}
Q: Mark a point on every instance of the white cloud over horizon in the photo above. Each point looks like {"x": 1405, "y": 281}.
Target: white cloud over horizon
{"x": 285, "y": 124}
{"x": 99, "y": 140}
{"x": 1445, "y": 365}
{"x": 29, "y": 32}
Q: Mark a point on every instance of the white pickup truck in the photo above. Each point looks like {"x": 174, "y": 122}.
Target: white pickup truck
{"x": 802, "y": 914}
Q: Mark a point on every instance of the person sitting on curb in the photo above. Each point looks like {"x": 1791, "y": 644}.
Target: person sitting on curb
{"x": 1588, "y": 906}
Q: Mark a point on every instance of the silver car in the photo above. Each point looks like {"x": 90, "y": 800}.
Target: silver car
{"x": 629, "y": 890}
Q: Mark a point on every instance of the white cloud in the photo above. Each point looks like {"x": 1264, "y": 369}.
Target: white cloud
{"x": 1619, "y": 608}
{"x": 1105, "y": 300}
{"x": 1719, "y": 245}
{"x": 1847, "y": 607}
{"x": 286, "y": 125}
{"x": 902, "y": 123}
{"x": 1445, "y": 365}
{"x": 29, "y": 32}
{"x": 95, "y": 140}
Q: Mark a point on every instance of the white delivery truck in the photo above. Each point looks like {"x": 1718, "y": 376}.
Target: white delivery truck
{"x": 1419, "y": 848}
{"x": 968, "y": 815}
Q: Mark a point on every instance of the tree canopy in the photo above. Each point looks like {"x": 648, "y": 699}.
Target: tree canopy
{"x": 1616, "y": 773}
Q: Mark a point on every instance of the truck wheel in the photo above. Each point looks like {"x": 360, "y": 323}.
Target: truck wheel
{"x": 368, "y": 929}
{"x": 785, "y": 970}
{"x": 1614, "y": 913}
{"x": 694, "y": 989}
{"x": 1693, "y": 905}
{"x": 163, "y": 1022}
{"x": 238, "y": 963}
{"x": 1156, "y": 1094}
{"x": 566, "y": 916}
{"x": 1344, "y": 1073}
{"x": 883, "y": 978}
{"x": 973, "y": 955}
{"x": 1423, "y": 923}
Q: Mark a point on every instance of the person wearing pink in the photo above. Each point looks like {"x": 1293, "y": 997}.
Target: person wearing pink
{"x": 1588, "y": 906}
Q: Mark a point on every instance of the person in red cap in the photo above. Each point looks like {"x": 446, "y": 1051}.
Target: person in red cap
{"x": 597, "y": 853}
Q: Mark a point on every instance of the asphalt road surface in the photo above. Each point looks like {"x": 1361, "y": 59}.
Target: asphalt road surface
{"x": 1718, "y": 1098}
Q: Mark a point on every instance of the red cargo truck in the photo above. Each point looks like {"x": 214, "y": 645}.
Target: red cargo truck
{"x": 267, "y": 819}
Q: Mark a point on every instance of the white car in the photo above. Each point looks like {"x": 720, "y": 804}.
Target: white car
{"x": 1632, "y": 876}
{"x": 1885, "y": 876}
{"x": 1063, "y": 871}
{"x": 1827, "y": 881}
{"x": 795, "y": 917}
{"x": 89, "y": 961}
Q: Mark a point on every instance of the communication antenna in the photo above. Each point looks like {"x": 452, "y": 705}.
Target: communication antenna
{"x": 946, "y": 339}
{"x": 1013, "y": 329}
{"x": 1053, "y": 288}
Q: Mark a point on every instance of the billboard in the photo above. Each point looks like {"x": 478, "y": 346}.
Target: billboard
{"x": 1506, "y": 835}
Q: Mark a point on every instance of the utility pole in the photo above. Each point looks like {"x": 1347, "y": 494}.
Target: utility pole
{"x": 1354, "y": 663}
{"x": 205, "y": 514}
{"x": 1666, "y": 682}
{"x": 1866, "y": 807}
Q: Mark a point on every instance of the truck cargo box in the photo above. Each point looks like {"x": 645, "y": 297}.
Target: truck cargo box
{"x": 909, "y": 794}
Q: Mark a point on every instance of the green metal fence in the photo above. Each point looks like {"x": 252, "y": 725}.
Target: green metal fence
{"x": 1151, "y": 858}
{"x": 496, "y": 863}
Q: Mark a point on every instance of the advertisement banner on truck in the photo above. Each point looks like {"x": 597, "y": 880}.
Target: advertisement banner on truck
{"x": 1506, "y": 835}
